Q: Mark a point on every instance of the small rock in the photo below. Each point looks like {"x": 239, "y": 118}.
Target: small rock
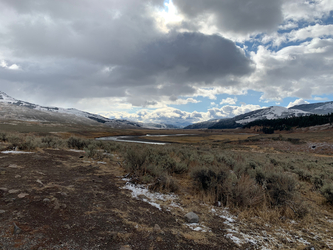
{"x": 22, "y": 195}
{"x": 164, "y": 208}
{"x": 2, "y": 211}
{"x": 17, "y": 230}
{"x": 2, "y": 172}
{"x": 56, "y": 204}
{"x": 13, "y": 191}
{"x": 309, "y": 248}
{"x": 4, "y": 189}
{"x": 40, "y": 182}
{"x": 126, "y": 247}
{"x": 191, "y": 218}
{"x": 46, "y": 200}
{"x": 17, "y": 176}
{"x": 157, "y": 229}
{"x": 142, "y": 197}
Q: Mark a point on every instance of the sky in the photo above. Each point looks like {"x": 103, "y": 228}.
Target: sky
{"x": 176, "y": 62}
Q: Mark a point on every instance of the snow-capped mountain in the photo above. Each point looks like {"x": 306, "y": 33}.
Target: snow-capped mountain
{"x": 202, "y": 125}
{"x": 274, "y": 112}
{"x": 321, "y": 108}
{"x": 17, "y": 109}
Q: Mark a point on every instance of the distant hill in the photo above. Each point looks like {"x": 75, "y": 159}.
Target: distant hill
{"x": 11, "y": 108}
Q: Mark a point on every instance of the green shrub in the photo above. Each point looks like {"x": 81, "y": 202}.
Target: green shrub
{"x": 77, "y": 143}
{"x": 327, "y": 191}
{"x": 30, "y": 143}
{"x": 135, "y": 159}
{"x": 246, "y": 193}
{"x": 228, "y": 161}
{"x": 93, "y": 152}
{"x": 317, "y": 182}
{"x": 280, "y": 188}
{"x": 52, "y": 142}
{"x": 180, "y": 168}
{"x": 165, "y": 184}
{"x": 303, "y": 174}
{"x": 15, "y": 140}
{"x": 3, "y": 137}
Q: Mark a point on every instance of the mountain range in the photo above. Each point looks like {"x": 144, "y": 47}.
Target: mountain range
{"x": 13, "y": 109}
{"x": 270, "y": 113}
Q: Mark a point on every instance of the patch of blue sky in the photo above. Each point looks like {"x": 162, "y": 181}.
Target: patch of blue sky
{"x": 166, "y": 5}
{"x": 275, "y": 48}
{"x": 252, "y": 97}
{"x": 202, "y": 106}
{"x": 252, "y": 44}
{"x": 328, "y": 19}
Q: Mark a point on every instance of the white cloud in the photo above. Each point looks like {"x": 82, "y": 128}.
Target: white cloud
{"x": 4, "y": 64}
{"x": 181, "y": 118}
{"x": 321, "y": 99}
{"x": 306, "y": 10}
{"x": 229, "y": 100}
{"x": 295, "y": 71}
{"x": 297, "y": 102}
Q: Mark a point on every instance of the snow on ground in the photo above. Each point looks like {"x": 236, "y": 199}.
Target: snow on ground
{"x": 239, "y": 231}
{"x": 141, "y": 192}
{"x": 199, "y": 227}
{"x": 76, "y": 150}
{"x": 260, "y": 238}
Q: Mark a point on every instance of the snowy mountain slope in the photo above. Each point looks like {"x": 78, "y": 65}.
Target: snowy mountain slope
{"x": 273, "y": 112}
{"x": 13, "y": 112}
{"x": 202, "y": 125}
{"x": 321, "y": 108}
{"x": 28, "y": 111}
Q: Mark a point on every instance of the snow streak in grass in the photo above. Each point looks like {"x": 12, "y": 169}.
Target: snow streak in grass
{"x": 150, "y": 197}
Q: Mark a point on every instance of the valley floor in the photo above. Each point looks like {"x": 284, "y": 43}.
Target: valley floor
{"x": 62, "y": 199}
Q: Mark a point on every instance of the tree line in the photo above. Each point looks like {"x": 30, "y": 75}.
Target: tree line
{"x": 269, "y": 126}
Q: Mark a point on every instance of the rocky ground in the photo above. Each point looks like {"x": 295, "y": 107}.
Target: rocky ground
{"x": 53, "y": 199}
{"x": 58, "y": 199}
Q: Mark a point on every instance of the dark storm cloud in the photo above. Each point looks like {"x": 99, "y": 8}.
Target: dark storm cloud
{"x": 109, "y": 48}
{"x": 239, "y": 16}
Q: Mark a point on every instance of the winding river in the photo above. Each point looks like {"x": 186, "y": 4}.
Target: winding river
{"x": 138, "y": 139}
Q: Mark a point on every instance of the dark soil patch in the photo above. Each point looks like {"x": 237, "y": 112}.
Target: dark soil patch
{"x": 73, "y": 204}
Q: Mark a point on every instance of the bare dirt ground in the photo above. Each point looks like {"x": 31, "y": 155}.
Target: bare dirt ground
{"x": 53, "y": 199}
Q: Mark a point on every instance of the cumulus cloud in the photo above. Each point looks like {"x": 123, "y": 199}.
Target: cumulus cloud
{"x": 308, "y": 11}
{"x": 182, "y": 118}
{"x": 294, "y": 70}
{"x": 122, "y": 55}
{"x": 229, "y": 100}
{"x": 237, "y": 16}
{"x": 297, "y": 102}
{"x": 14, "y": 66}
{"x": 111, "y": 48}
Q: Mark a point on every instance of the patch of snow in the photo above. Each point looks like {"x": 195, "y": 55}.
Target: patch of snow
{"x": 126, "y": 179}
{"x": 101, "y": 162}
{"x": 197, "y": 227}
{"x": 235, "y": 239}
{"x": 16, "y": 152}
{"x": 326, "y": 106}
{"x": 152, "y": 197}
{"x": 271, "y": 113}
{"x": 76, "y": 150}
